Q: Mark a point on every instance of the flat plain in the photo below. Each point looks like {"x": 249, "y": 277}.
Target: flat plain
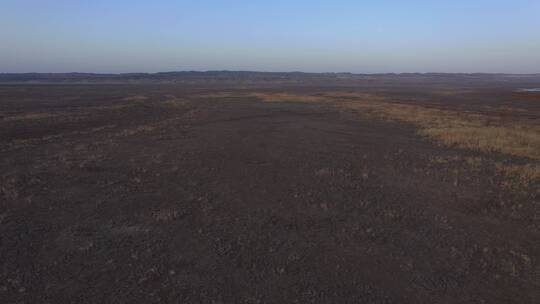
{"x": 229, "y": 189}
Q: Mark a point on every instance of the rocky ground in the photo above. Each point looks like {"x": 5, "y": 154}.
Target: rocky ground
{"x": 168, "y": 194}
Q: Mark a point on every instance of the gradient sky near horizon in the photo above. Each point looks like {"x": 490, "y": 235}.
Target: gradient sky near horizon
{"x": 304, "y": 35}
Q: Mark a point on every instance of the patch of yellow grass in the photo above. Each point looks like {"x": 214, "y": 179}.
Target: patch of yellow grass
{"x": 465, "y": 130}
{"x": 513, "y": 140}
{"x": 461, "y": 129}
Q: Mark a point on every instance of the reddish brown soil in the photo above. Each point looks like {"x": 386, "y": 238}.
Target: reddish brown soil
{"x": 223, "y": 200}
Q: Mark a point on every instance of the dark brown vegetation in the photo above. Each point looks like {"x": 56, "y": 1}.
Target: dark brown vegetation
{"x": 358, "y": 189}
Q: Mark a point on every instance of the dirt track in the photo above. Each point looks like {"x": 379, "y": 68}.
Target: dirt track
{"x": 109, "y": 199}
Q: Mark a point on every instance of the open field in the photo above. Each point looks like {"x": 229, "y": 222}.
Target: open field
{"x": 222, "y": 189}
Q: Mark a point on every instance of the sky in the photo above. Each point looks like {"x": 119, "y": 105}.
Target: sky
{"x": 376, "y": 36}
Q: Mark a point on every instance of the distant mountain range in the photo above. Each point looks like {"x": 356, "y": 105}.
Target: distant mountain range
{"x": 247, "y": 77}
{"x": 150, "y": 76}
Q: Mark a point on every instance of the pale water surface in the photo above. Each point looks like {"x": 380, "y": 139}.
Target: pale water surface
{"x": 530, "y": 90}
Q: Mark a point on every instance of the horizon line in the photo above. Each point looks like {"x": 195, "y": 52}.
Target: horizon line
{"x": 267, "y": 72}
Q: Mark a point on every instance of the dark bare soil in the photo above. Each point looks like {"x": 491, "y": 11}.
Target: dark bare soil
{"x": 160, "y": 194}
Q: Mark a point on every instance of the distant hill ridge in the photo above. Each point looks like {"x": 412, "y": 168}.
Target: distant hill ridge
{"x": 182, "y": 76}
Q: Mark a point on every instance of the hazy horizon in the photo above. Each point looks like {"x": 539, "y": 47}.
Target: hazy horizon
{"x": 306, "y": 36}
{"x": 278, "y": 72}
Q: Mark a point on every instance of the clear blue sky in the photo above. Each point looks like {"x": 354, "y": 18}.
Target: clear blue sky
{"x": 303, "y": 35}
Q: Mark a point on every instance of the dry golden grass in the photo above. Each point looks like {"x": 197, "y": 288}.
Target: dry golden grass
{"x": 512, "y": 140}
{"x": 469, "y": 131}
{"x": 461, "y": 129}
